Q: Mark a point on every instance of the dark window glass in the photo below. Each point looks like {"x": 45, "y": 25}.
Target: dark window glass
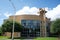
{"x": 33, "y": 27}
{"x": 31, "y": 23}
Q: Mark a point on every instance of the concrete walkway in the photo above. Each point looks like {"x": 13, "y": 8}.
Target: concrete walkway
{"x": 15, "y": 39}
{"x": 26, "y": 39}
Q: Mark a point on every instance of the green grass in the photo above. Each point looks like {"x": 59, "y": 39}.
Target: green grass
{"x": 6, "y": 38}
{"x": 38, "y": 38}
{"x": 3, "y": 37}
{"x": 46, "y": 38}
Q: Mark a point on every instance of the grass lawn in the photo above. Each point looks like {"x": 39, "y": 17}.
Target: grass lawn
{"x": 6, "y": 38}
{"x": 38, "y": 38}
{"x": 46, "y": 38}
{"x": 3, "y": 37}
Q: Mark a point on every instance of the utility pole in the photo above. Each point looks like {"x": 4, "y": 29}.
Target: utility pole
{"x": 13, "y": 18}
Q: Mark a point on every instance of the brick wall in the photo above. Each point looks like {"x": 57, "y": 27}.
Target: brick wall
{"x": 16, "y": 34}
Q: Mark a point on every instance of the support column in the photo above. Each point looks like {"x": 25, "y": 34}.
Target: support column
{"x": 43, "y": 22}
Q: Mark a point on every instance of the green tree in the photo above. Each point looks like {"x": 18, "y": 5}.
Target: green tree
{"x": 0, "y": 31}
{"x": 8, "y": 25}
{"x": 55, "y": 27}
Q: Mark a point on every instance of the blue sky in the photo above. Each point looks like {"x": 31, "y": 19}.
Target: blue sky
{"x": 6, "y": 7}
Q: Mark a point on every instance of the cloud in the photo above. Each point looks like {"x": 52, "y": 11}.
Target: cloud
{"x": 51, "y": 13}
{"x": 27, "y": 10}
{"x": 54, "y": 13}
{"x": 7, "y": 14}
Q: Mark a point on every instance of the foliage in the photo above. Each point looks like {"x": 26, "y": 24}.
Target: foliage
{"x": 55, "y": 26}
{"x": 0, "y": 31}
{"x": 8, "y": 25}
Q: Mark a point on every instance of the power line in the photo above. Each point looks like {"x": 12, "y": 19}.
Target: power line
{"x": 12, "y": 5}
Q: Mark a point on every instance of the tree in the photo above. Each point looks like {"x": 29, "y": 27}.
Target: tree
{"x": 55, "y": 27}
{"x": 7, "y": 26}
{"x": 0, "y": 31}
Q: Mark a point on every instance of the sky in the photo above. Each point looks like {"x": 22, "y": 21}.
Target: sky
{"x": 29, "y": 7}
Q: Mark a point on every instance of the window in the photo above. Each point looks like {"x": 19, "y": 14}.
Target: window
{"x": 33, "y": 27}
{"x": 31, "y": 23}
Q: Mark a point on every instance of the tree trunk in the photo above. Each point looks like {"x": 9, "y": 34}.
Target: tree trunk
{"x": 11, "y": 34}
{"x": 58, "y": 36}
